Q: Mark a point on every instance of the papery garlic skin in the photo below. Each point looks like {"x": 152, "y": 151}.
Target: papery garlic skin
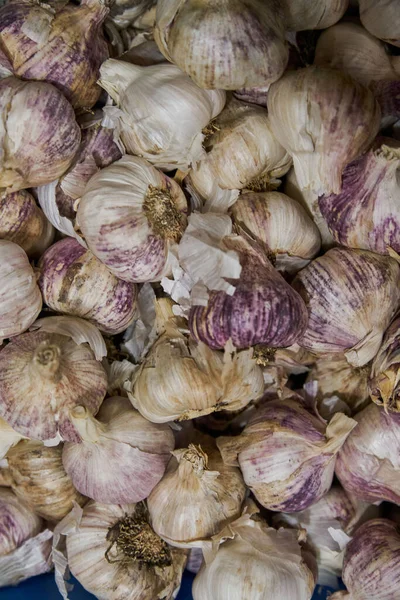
{"x": 324, "y": 120}
{"x": 22, "y": 222}
{"x": 40, "y": 131}
{"x": 215, "y": 45}
{"x": 73, "y": 281}
{"x": 8, "y": 438}
{"x": 359, "y": 290}
{"x": 119, "y": 459}
{"x": 383, "y": 383}
{"x": 20, "y": 297}
{"x": 368, "y": 465}
{"x": 18, "y": 522}
{"x": 381, "y": 18}
{"x": 281, "y": 225}
{"x": 125, "y": 12}
{"x": 286, "y": 454}
{"x": 64, "y": 47}
{"x": 161, "y": 113}
{"x": 130, "y": 215}
{"x": 302, "y": 15}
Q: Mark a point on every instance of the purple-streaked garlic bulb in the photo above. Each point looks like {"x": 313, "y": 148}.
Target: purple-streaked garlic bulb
{"x": 25, "y": 546}
{"x": 263, "y": 308}
{"x": 324, "y": 119}
{"x": 383, "y": 383}
{"x": 22, "y": 222}
{"x": 351, "y": 296}
{"x": 287, "y": 454}
{"x": 301, "y": 15}
{"x": 47, "y": 372}
{"x": 130, "y": 215}
{"x": 20, "y": 297}
{"x": 119, "y": 457}
{"x": 371, "y": 568}
{"x": 381, "y": 18}
{"x": 366, "y": 213}
{"x": 281, "y": 226}
{"x": 64, "y": 47}
{"x": 39, "y": 137}
{"x": 74, "y": 282}
{"x": 368, "y": 465}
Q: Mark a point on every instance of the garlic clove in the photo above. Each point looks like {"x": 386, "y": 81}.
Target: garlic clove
{"x": 380, "y": 17}
{"x": 303, "y": 15}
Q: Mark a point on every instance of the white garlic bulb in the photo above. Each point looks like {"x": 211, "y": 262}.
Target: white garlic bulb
{"x": 381, "y": 18}
{"x": 130, "y": 215}
{"x": 20, "y": 297}
{"x": 303, "y": 15}
{"x": 161, "y": 113}
{"x": 18, "y": 522}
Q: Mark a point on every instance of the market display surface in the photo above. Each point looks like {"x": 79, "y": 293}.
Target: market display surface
{"x": 200, "y": 299}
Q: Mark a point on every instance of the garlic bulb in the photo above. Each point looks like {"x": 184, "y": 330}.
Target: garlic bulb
{"x": 20, "y": 298}
{"x": 45, "y": 373}
{"x": 119, "y": 459}
{"x": 371, "y": 567}
{"x": 380, "y": 17}
{"x": 182, "y": 379}
{"x": 18, "y": 522}
{"x": 383, "y": 384}
{"x": 39, "y": 136}
{"x": 215, "y": 45}
{"x": 22, "y": 222}
{"x": 368, "y": 465}
{"x": 64, "y": 47}
{"x": 197, "y": 497}
{"x": 40, "y": 480}
{"x": 8, "y": 439}
{"x": 130, "y": 215}
{"x": 115, "y": 555}
{"x": 287, "y": 454}
{"x": 281, "y": 225}
{"x": 324, "y": 120}
{"x": 366, "y": 213}
{"x": 256, "y": 562}
{"x": 359, "y": 290}
{"x": 161, "y": 113}
{"x": 73, "y": 281}
{"x": 302, "y": 14}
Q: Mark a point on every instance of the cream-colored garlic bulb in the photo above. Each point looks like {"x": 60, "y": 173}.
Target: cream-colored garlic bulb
{"x": 303, "y": 15}
{"x": 45, "y": 373}
{"x": 130, "y": 215}
{"x": 20, "y": 297}
{"x": 228, "y": 45}
{"x": 40, "y": 480}
{"x": 381, "y": 18}
{"x": 197, "y": 497}
{"x": 324, "y": 119}
{"x": 161, "y": 113}
{"x": 281, "y": 225}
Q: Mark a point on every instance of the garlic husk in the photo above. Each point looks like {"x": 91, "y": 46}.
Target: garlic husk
{"x": 18, "y": 522}
{"x": 120, "y": 458}
{"x": 140, "y": 336}
{"x": 22, "y": 222}
{"x": 139, "y": 565}
{"x": 20, "y": 297}
{"x": 40, "y": 480}
{"x": 160, "y": 112}
{"x": 368, "y": 465}
{"x": 281, "y": 225}
{"x": 359, "y": 290}
{"x": 5, "y": 476}
{"x": 64, "y": 47}
{"x": 366, "y": 213}
{"x": 74, "y": 282}
{"x": 6, "y": 69}
{"x": 124, "y": 12}
{"x": 384, "y": 379}
{"x": 194, "y": 36}
{"x": 381, "y": 18}
{"x": 324, "y": 120}
{"x": 130, "y": 215}
{"x": 371, "y": 566}
{"x": 45, "y": 373}
{"x": 287, "y": 454}
{"x": 255, "y": 562}
{"x": 255, "y": 95}
{"x": 279, "y": 363}
{"x": 197, "y": 497}
{"x": 8, "y": 438}
{"x": 39, "y": 135}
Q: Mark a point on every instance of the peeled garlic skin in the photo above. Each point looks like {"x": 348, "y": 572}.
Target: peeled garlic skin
{"x": 40, "y": 131}
{"x": 68, "y": 52}
{"x": 73, "y": 281}
{"x": 226, "y": 45}
{"x": 359, "y": 290}
{"x": 383, "y": 383}
{"x": 320, "y": 14}
{"x": 381, "y": 18}
{"x": 17, "y": 521}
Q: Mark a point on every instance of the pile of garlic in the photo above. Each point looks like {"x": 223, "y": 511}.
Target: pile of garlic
{"x": 200, "y": 297}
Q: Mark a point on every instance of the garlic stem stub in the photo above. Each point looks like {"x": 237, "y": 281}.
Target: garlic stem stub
{"x": 324, "y": 119}
{"x": 74, "y": 282}
{"x": 130, "y": 215}
{"x": 384, "y": 379}
{"x": 359, "y": 291}
{"x": 303, "y": 15}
